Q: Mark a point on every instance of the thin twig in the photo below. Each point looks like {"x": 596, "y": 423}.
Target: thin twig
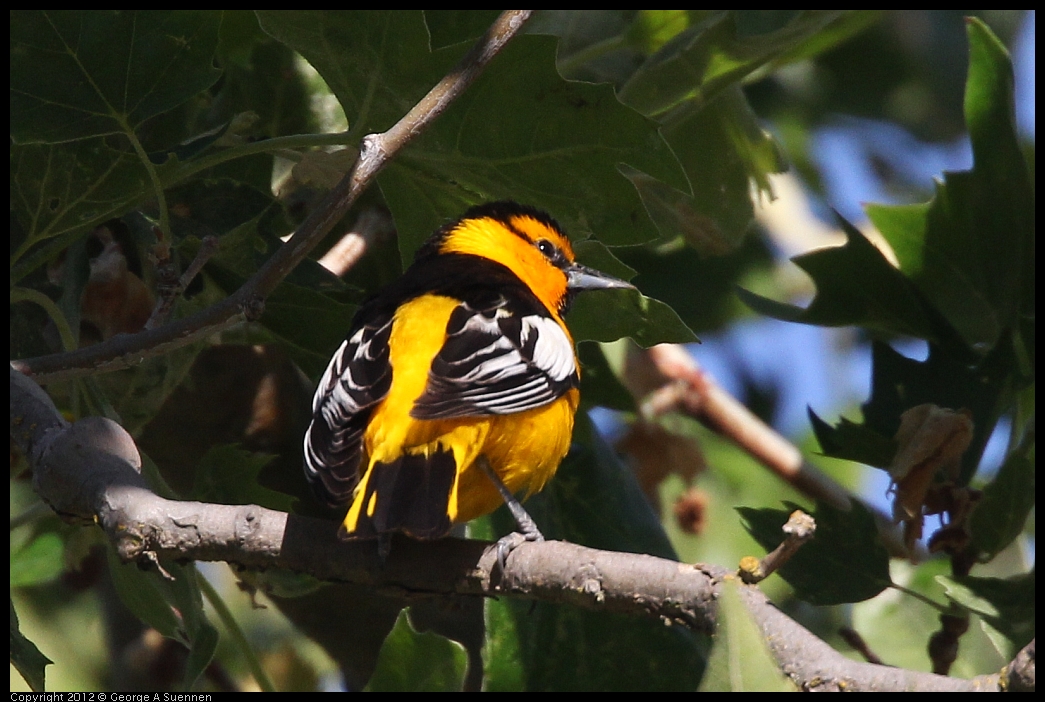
{"x": 852, "y": 637}
{"x": 697, "y": 394}
{"x": 164, "y": 306}
{"x": 667, "y": 378}
{"x": 799, "y": 529}
{"x": 247, "y": 303}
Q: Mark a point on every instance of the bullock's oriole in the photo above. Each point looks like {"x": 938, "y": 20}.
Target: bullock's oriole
{"x": 457, "y": 384}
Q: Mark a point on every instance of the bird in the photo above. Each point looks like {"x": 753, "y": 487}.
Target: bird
{"x": 457, "y": 384}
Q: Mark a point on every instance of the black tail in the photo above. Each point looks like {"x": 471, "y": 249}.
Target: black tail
{"x": 412, "y": 496}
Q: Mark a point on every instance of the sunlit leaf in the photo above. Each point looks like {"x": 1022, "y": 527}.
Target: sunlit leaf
{"x": 740, "y": 661}
{"x": 970, "y": 250}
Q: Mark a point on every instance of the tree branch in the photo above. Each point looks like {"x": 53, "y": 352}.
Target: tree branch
{"x": 667, "y": 378}
{"x": 247, "y": 303}
{"x": 90, "y": 471}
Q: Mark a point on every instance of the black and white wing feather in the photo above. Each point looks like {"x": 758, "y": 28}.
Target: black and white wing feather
{"x": 358, "y": 377}
{"x": 497, "y": 361}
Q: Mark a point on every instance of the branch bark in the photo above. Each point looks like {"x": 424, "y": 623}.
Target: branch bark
{"x": 90, "y": 471}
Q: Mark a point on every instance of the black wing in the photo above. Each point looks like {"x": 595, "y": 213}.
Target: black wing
{"x": 497, "y": 360}
{"x": 358, "y": 377}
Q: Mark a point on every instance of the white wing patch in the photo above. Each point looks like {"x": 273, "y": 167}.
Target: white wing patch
{"x": 497, "y": 362}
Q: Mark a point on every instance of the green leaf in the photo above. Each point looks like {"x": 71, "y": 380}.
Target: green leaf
{"x": 600, "y": 386}
{"x": 228, "y": 475}
{"x": 845, "y": 562}
{"x": 853, "y": 442}
{"x": 449, "y": 27}
{"x": 39, "y": 561}
{"x": 222, "y": 207}
{"x": 171, "y": 603}
{"x": 161, "y": 603}
{"x": 413, "y": 662}
{"x": 740, "y": 661}
{"x": 83, "y": 73}
{"x": 1007, "y": 501}
{"x": 725, "y": 153}
{"x": 204, "y": 645}
{"x": 376, "y": 62}
{"x": 310, "y": 320}
{"x": 1006, "y": 604}
{"x": 716, "y": 53}
{"x": 970, "y": 249}
{"x": 138, "y": 392}
{"x": 613, "y": 314}
{"x": 522, "y": 133}
{"x": 856, "y": 285}
{"x": 61, "y": 191}
{"x": 26, "y": 657}
{"x": 561, "y": 647}
{"x": 312, "y": 323}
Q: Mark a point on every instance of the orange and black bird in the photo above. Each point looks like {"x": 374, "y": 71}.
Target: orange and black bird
{"x": 457, "y": 385}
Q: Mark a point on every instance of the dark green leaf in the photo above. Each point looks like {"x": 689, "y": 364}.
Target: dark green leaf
{"x": 174, "y": 607}
{"x": 84, "y": 73}
{"x": 853, "y": 442}
{"x": 26, "y": 657}
{"x": 449, "y": 27}
{"x": 313, "y": 324}
{"x": 725, "y": 153}
{"x": 204, "y": 644}
{"x": 413, "y": 662}
{"x": 603, "y": 45}
{"x": 613, "y": 314}
{"x": 845, "y": 562}
{"x": 61, "y": 191}
{"x": 856, "y": 285}
{"x": 228, "y": 475}
{"x": 1007, "y": 605}
{"x": 970, "y": 249}
{"x": 1007, "y": 501}
{"x": 522, "y": 133}
{"x": 595, "y": 254}
{"x": 218, "y": 207}
{"x": 599, "y": 384}
{"x": 560, "y": 647}
{"x": 899, "y": 383}
{"x": 310, "y": 323}
{"x": 377, "y": 62}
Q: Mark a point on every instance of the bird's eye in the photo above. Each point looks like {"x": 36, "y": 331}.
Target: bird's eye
{"x": 546, "y": 247}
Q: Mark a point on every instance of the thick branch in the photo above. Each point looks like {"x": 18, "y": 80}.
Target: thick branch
{"x": 89, "y": 470}
{"x": 247, "y": 303}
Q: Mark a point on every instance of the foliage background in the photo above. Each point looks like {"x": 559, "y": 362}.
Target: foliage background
{"x": 698, "y": 161}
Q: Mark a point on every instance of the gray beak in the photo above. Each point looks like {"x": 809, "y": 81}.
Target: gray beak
{"x": 580, "y": 277}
